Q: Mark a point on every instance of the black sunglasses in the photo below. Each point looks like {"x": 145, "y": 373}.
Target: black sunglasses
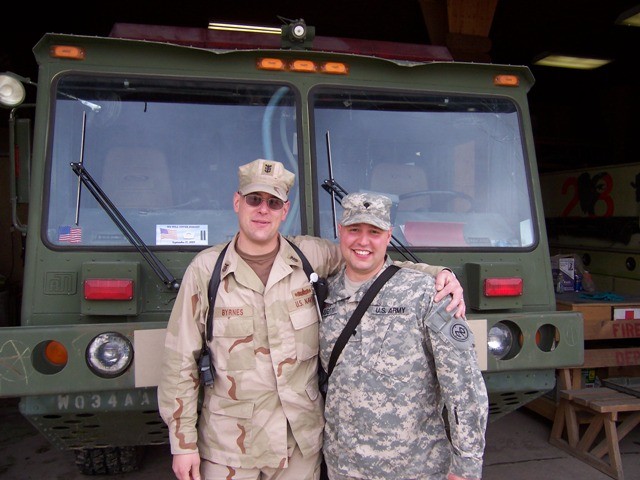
{"x": 254, "y": 200}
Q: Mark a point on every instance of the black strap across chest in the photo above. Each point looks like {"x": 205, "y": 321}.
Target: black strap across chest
{"x": 214, "y": 283}
{"x": 354, "y": 320}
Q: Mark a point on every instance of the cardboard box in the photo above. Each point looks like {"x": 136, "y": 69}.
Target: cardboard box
{"x": 563, "y": 270}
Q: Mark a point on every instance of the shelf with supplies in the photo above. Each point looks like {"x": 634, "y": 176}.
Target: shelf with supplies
{"x": 611, "y": 333}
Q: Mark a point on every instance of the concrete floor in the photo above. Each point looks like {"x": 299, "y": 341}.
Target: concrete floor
{"x": 517, "y": 449}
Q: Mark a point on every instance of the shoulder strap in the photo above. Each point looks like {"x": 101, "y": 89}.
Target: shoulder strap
{"x": 353, "y": 322}
{"x": 320, "y": 286}
{"x": 213, "y": 290}
{"x": 308, "y": 269}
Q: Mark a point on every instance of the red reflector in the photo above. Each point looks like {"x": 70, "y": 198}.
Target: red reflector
{"x": 108, "y": 289}
{"x": 503, "y": 287}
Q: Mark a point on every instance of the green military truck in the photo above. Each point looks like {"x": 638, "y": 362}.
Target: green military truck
{"x": 132, "y": 167}
{"x": 592, "y": 214}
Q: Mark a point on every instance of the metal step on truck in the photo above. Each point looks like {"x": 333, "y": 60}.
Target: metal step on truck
{"x": 129, "y": 160}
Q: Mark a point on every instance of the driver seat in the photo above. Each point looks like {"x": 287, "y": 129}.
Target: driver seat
{"x": 400, "y": 178}
{"x": 137, "y": 177}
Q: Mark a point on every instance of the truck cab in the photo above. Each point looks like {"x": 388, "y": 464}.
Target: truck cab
{"x": 136, "y": 144}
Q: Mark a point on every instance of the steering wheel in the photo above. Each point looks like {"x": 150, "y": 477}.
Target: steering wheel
{"x": 452, "y": 194}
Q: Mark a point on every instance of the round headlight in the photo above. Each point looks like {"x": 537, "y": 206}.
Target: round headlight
{"x": 500, "y": 340}
{"x": 109, "y": 354}
{"x": 12, "y": 92}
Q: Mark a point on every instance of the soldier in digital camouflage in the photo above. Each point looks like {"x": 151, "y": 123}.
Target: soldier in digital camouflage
{"x": 407, "y": 375}
{"x": 263, "y": 416}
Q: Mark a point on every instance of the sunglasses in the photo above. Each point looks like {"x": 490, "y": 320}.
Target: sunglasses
{"x": 254, "y": 200}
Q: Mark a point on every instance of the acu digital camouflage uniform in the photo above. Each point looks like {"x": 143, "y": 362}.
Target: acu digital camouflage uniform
{"x": 408, "y": 359}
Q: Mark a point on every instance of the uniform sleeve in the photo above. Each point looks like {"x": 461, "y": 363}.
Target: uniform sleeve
{"x": 179, "y": 384}
{"x": 323, "y": 255}
{"x": 463, "y": 389}
{"x": 421, "y": 267}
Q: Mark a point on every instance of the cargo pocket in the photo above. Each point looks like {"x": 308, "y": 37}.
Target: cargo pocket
{"x": 233, "y": 343}
{"x": 231, "y": 420}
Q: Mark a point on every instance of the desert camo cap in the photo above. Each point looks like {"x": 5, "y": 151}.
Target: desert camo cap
{"x": 371, "y": 208}
{"x": 266, "y": 176}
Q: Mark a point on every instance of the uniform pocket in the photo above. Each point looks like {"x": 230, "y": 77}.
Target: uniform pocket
{"x": 233, "y": 343}
{"x": 396, "y": 349}
{"x": 232, "y": 422}
{"x": 305, "y": 327}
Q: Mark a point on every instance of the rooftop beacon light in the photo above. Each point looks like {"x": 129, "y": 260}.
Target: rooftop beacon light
{"x": 294, "y": 34}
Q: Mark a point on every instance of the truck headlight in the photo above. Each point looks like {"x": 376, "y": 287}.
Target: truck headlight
{"x": 500, "y": 340}
{"x": 109, "y": 354}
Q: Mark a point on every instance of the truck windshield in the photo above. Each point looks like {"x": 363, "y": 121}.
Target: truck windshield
{"x": 166, "y": 152}
{"x": 453, "y": 165}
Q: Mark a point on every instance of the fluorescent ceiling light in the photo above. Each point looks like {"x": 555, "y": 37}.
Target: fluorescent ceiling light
{"x": 630, "y": 17}
{"x": 244, "y": 28}
{"x": 566, "y": 61}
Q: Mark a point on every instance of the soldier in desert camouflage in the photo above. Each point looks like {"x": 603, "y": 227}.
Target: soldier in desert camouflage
{"x": 262, "y": 417}
{"x": 407, "y": 360}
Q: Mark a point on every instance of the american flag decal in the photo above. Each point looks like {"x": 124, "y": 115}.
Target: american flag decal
{"x": 70, "y": 234}
{"x": 168, "y": 233}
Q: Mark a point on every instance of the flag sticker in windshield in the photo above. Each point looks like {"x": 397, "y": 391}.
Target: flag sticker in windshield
{"x": 182, "y": 234}
{"x": 68, "y": 234}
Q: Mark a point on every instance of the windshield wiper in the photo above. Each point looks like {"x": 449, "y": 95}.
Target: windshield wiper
{"x": 117, "y": 217}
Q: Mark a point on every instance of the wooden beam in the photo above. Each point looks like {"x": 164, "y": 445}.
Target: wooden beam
{"x": 463, "y": 26}
{"x": 471, "y": 17}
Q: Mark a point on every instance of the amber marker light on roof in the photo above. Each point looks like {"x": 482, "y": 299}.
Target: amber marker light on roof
{"x": 506, "y": 81}
{"x": 335, "y": 68}
{"x": 270, "y": 64}
{"x": 302, "y": 66}
{"x": 67, "y": 51}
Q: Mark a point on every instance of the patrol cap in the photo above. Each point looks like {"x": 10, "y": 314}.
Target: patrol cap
{"x": 371, "y": 208}
{"x": 266, "y": 176}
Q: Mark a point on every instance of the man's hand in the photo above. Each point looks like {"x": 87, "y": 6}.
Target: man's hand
{"x": 453, "y": 476}
{"x": 186, "y": 466}
{"x": 448, "y": 284}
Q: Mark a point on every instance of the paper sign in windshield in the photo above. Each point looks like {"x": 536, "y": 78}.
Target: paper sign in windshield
{"x": 182, "y": 234}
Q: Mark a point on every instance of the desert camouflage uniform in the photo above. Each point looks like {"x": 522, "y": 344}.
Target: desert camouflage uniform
{"x": 265, "y": 347}
{"x": 394, "y": 376}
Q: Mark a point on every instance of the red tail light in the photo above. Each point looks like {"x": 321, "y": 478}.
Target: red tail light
{"x": 503, "y": 287}
{"x": 108, "y": 289}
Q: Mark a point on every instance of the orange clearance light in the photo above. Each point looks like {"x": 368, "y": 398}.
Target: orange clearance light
{"x": 506, "y": 80}
{"x": 503, "y": 287}
{"x": 56, "y": 353}
{"x": 108, "y": 289}
{"x": 67, "y": 51}
{"x": 335, "y": 68}
{"x": 270, "y": 64}
{"x": 303, "y": 66}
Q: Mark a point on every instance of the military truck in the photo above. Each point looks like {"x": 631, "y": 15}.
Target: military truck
{"x": 592, "y": 214}
{"x": 132, "y": 167}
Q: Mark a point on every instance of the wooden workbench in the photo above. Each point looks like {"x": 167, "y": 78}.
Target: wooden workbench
{"x": 608, "y": 344}
{"x": 583, "y": 416}
{"x": 609, "y": 415}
